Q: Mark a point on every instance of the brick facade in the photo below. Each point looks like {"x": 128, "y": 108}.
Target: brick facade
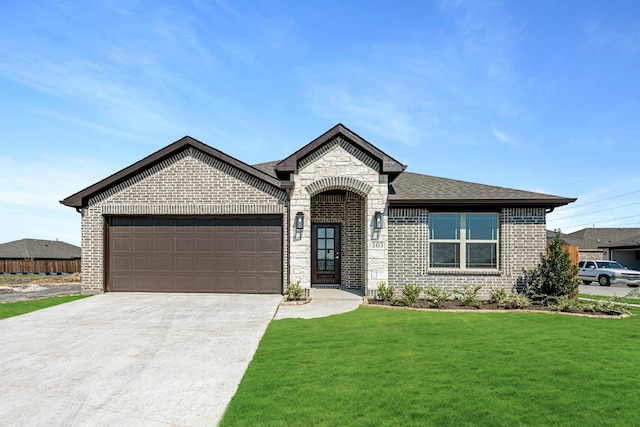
{"x": 522, "y": 238}
{"x": 346, "y": 209}
{"x": 189, "y": 183}
{"x": 337, "y": 180}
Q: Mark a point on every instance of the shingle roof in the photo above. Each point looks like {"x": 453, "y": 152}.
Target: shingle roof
{"x": 632, "y": 242}
{"x": 593, "y": 238}
{"x": 268, "y": 167}
{"x": 412, "y": 188}
{"x": 38, "y": 249}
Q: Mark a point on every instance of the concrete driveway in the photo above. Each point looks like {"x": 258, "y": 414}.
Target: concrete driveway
{"x": 129, "y": 359}
{"x": 609, "y": 291}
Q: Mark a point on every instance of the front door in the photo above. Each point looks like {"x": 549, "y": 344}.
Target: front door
{"x": 325, "y": 254}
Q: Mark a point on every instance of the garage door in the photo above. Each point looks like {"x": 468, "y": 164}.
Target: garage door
{"x": 204, "y": 254}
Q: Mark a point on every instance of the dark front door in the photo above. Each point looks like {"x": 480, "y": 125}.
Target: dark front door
{"x": 325, "y": 253}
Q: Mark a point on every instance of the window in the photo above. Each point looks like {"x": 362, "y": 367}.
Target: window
{"x": 463, "y": 240}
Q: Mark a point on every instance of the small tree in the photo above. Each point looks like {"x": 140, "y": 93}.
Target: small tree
{"x": 556, "y": 275}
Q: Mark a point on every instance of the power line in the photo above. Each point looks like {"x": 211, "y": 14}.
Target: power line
{"x": 596, "y": 201}
{"x": 601, "y": 210}
{"x": 599, "y": 222}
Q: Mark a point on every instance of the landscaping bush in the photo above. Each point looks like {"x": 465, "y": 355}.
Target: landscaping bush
{"x": 518, "y": 301}
{"x": 555, "y": 276}
{"x": 469, "y": 296}
{"x": 294, "y": 291}
{"x": 594, "y": 306}
{"x": 410, "y": 293}
{"x": 437, "y": 296}
{"x": 385, "y": 292}
{"x": 499, "y": 296}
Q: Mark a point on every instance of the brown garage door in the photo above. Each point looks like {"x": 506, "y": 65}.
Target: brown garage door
{"x": 204, "y": 254}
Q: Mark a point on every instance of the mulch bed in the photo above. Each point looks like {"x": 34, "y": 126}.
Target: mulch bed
{"x": 454, "y": 305}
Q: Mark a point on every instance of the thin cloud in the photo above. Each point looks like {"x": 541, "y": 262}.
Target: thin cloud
{"x": 502, "y": 136}
{"x": 624, "y": 39}
{"x": 426, "y": 89}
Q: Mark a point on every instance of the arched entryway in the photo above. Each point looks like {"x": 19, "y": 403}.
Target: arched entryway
{"x": 338, "y": 230}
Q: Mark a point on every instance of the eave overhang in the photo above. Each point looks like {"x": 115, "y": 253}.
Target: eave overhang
{"x": 480, "y": 203}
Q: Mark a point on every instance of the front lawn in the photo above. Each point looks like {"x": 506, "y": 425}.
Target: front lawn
{"x": 11, "y": 309}
{"x": 376, "y": 367}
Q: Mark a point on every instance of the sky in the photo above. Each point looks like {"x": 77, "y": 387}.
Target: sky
{"x": 538, "y": 95}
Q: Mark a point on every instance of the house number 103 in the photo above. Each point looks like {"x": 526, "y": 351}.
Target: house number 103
{"x": 378, "y": 245}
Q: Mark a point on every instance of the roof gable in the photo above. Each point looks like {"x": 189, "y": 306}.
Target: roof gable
{"x": 80, "y": 199}
{"x": 388, "y": 164}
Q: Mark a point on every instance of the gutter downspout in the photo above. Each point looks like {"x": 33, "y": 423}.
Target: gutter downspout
{"x": 288, "y": 192}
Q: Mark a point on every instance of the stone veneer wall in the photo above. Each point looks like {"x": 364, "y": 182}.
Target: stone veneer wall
{"x": 347, "y": 209}
{"x": 189, "y": 183}
{"x": 339, "y": 165}
{"x": 522, "y": 238}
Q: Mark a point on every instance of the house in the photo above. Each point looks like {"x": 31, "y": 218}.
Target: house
{"x": 39, "y": 256}
{"x": 338, "y": 212}
{"x": 597, "y": 243}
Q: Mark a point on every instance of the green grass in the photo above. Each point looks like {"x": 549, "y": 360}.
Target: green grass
{"x": 378, "y": 367}
{"x": 602, "y": 297}
{"x": 11, "y": 309}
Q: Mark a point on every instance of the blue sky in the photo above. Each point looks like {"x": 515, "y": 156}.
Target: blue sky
{"x": 535, "y": 95}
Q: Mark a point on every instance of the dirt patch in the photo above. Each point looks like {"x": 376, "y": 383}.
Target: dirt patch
{"x": 26, "y": 287}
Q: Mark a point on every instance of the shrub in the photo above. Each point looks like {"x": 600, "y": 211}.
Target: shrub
{"x": 385, "y": 293}
{"x": 469, "y": 296}
{"x": 294, "y": 291}
{"x": 556, "y": 275}
{"x": 590, "y": 306}
{"x": 634, "y": 293}
{"x": 410, "y": 294}
{"x": 612, "y": 304}
{"x": 437, "y": 296}
{"x": 518, "y": 301}
{"x": 499, "y": 296}
{"x": 568, "y": 304}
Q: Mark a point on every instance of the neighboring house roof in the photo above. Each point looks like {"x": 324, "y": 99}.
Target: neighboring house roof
{"x": 551, "y": 234}
{"x": 594, "y": 238}
{"x": 38, "y": 249}
{"x": 81, "y": 198}
{"x": 415, "y": 189}
{"x": 388, "y": 165}
{"x": 630, "y": 243}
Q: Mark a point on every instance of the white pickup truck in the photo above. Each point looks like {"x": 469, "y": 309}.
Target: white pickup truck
{"x": 607, "y": 273}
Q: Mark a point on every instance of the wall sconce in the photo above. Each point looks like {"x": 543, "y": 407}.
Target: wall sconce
{"x": 377, "y": 220}
{"x": 299, "y": 221}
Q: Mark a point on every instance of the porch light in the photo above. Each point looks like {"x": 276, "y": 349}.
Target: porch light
{"x": 299, "y": 221}
{"x": 377, "y": 220}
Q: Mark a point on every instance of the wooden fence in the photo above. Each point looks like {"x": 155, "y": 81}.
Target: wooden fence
{"x": 48, "y": 266}
{"x": 573, "y": 253}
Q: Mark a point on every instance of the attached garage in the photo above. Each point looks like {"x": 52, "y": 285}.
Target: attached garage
{"x": 223, "y": 254}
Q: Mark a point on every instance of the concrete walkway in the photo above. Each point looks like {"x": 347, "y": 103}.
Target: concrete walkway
{"x": 324, "y": 302}
{"x": 122, "y": 359}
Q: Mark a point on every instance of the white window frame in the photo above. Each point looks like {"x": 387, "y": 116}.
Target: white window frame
{"x": 462, "y": 241}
